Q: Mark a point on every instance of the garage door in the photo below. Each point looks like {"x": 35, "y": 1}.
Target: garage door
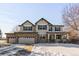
{"x": 26, "y": 40}
{"x": 12, "y": 40}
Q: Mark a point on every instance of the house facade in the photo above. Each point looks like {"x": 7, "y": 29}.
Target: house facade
{"x": 40, "y": 32}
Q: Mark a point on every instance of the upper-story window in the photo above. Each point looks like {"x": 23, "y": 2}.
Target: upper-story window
{"x": 57, "y": 28}
{"x": 27, "y": 28}
{"x": 42, "y": 27}
{"x": 50, "y": 28}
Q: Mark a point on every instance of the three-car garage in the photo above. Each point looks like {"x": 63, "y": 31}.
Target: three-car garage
{"x": 22, "y": 37}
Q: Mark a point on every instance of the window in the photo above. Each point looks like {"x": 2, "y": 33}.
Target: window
{"x": 42, "y": 27}
{"x": 27, "y": 28}
{"x": 50, "y": 28}
{"x": 57, "y": 28}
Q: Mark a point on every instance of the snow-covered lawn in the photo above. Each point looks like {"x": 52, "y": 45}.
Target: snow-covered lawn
{"x": 55, "y": 50}
{"x": 42, "y": 49}
{"x": 15, "y": 50}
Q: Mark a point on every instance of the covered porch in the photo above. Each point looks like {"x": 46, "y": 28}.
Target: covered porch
{"x": 57, "y": 37}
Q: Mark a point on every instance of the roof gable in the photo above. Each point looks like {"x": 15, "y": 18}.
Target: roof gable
{"x": 44, "y": 20}
{"x": 26, "y": 22}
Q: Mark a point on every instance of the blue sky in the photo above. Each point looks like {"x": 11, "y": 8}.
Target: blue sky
{"x": 12, "y": 15}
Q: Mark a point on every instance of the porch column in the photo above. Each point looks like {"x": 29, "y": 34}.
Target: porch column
{"x": 48, "y": 37}
{"x": 55, "y": 36}
{"x": 67, "y": 36}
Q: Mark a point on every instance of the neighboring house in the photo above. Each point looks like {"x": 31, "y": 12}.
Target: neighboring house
{"x": 40, "y": 32}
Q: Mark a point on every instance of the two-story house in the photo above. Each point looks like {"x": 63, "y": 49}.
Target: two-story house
{"x": 40, "y": 32}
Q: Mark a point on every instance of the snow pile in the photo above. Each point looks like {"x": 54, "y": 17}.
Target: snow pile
{"x": 55, "y": 50}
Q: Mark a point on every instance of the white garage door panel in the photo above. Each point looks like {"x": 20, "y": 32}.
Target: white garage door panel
{"x": 11, "y": 40}
{"x": 26, "y": 40}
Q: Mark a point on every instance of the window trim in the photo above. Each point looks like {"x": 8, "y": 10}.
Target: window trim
{"x": 57, "y": 28}
{"x": 27, "y": 28}
{"x": 42, "y": 27}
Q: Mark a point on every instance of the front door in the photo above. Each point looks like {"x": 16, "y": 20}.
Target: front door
{"x": 41, "y": 39}
{"x": 58, "y": 39}
{"x": 51, "y": 38}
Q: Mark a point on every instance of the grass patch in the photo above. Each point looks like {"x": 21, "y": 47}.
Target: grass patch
{"x": 27, "y": 47}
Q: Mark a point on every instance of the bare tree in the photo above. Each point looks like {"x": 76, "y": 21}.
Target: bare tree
{"x": 71, "y": 20}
